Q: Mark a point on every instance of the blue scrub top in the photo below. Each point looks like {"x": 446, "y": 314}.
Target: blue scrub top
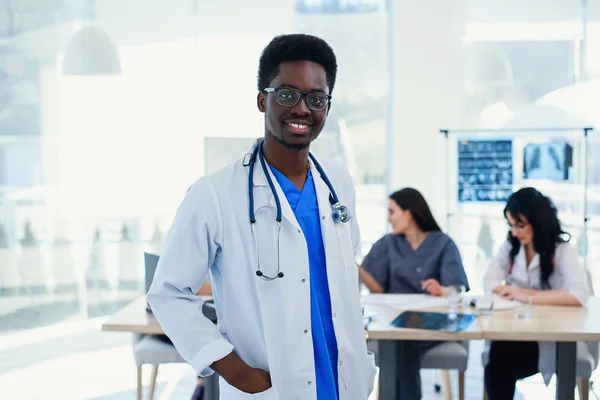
{"x": 306, "y": 209}
{"x": 400, "y": 269}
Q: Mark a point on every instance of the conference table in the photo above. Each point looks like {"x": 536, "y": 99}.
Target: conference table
{"x": 564, "y": 325}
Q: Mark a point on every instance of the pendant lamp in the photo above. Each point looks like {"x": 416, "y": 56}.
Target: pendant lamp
{"x": 91, "y": 52}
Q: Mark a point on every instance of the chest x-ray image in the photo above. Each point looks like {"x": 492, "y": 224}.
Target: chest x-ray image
{"x": 549, "y": 161}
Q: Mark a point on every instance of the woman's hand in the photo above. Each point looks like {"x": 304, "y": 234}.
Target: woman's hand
{"x": 433, "y": 287}
{"x": 512, "y": 293}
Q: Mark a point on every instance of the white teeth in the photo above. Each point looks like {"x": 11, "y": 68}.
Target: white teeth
{"x": 298, "y": 126}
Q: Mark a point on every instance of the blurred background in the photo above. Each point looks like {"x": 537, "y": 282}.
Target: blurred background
{"x": 110, "y": 110}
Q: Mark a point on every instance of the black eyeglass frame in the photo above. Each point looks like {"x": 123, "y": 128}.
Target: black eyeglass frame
{"x": 302, "y": 94}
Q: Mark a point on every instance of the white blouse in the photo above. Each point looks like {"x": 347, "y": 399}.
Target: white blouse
{"x": 568, "y": 273}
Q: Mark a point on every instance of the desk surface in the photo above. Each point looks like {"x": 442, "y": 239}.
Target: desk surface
{"x": 548, "y": 323}
{"x": 133, "y": 318}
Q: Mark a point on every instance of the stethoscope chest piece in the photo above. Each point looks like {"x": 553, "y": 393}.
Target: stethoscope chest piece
{"x": 340, "y": 213}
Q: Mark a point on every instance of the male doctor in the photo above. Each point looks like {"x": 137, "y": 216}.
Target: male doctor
{"x": 277, "y": 231}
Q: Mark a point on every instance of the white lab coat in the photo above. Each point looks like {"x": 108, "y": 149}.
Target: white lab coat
{"x": 267, "y": 323}
{"x": 568, "y": 275}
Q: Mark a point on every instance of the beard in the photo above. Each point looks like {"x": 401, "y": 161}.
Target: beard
{"x": 291, "y": 146}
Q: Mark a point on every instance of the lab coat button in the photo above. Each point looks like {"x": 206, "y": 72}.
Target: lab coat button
{"x": 309, "y": 383}
{"x": 323, "y": 217}
{"x": 341, "y": 363}
{"x": 303, "y": 280}
{"x": 306, "y": 331}
{"x": 299, "y": 231}
{"x": 334, "y": 315}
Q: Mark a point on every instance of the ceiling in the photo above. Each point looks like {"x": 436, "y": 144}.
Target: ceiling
{"x": 22, "y": 16}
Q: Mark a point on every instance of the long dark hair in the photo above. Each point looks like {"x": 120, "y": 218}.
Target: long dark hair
{"x": 409, "y": 199}
{"x": 542, "y": 215}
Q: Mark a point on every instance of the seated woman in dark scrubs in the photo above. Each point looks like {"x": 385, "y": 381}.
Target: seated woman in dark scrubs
{"x": 417, "y": 257}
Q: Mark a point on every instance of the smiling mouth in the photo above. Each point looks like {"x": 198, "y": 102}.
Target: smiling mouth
{"x": 298, "y": 128}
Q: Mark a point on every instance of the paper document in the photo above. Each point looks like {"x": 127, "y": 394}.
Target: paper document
{"x": 499, "y": 303}
{"x": 405, "y": 301}
{"x": 503, "y": 304}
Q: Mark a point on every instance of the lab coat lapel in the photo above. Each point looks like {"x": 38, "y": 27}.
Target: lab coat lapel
{"x": 322, "y": 191}
{"x": 262, "y": 193}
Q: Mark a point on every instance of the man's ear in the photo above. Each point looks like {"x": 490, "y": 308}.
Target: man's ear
{"x": 261, "y": 102}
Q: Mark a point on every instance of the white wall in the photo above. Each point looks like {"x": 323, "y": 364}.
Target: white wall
{"x": 131, "y": 144}
{"x": 427, "y": 91}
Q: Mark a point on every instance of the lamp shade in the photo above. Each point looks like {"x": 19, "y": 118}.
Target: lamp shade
{"x": 91, "y": 52}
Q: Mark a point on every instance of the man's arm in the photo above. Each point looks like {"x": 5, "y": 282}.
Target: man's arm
{"x": 239, "y": 374}
{"x": 190, "y": 249}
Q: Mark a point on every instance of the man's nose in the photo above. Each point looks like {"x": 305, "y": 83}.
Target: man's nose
{"x": 301, "y": 109}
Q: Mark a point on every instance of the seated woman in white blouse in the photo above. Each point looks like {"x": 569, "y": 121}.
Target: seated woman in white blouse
{"x": 535, "y": 264}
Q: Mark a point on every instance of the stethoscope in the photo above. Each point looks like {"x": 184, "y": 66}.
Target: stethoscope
{"x": 339, "y": 212}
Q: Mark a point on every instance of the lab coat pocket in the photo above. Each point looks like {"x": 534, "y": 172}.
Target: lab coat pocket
{"x": 345, "y": 378}
{"x": 234, "y": 393}
{"x": 371, "y": 367}
{"x": 361, "y": 379}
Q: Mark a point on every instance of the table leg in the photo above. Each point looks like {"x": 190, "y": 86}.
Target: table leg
{"x": 387, "y": 369}
{"x": 211, "y": 387}
{"x": 566, "y": 365}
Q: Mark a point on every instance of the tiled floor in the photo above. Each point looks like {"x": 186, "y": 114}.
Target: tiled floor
{"x": 85, "y": 364}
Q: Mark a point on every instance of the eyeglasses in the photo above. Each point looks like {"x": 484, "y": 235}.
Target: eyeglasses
{"x": 288, "y": 97}
{"x": 518, "y": 227}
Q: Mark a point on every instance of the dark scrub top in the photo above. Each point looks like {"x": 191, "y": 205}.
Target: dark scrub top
{"x": 400, "y": 269}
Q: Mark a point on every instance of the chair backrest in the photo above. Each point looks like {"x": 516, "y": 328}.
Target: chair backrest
{"x": 150, "y": 263}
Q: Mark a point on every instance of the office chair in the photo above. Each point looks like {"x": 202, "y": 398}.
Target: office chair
{"x": 448, "y": 356}
{"x": 150, "y": 349}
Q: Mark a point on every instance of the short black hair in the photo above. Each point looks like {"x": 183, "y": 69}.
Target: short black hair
{"x": 295, "y": 47}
